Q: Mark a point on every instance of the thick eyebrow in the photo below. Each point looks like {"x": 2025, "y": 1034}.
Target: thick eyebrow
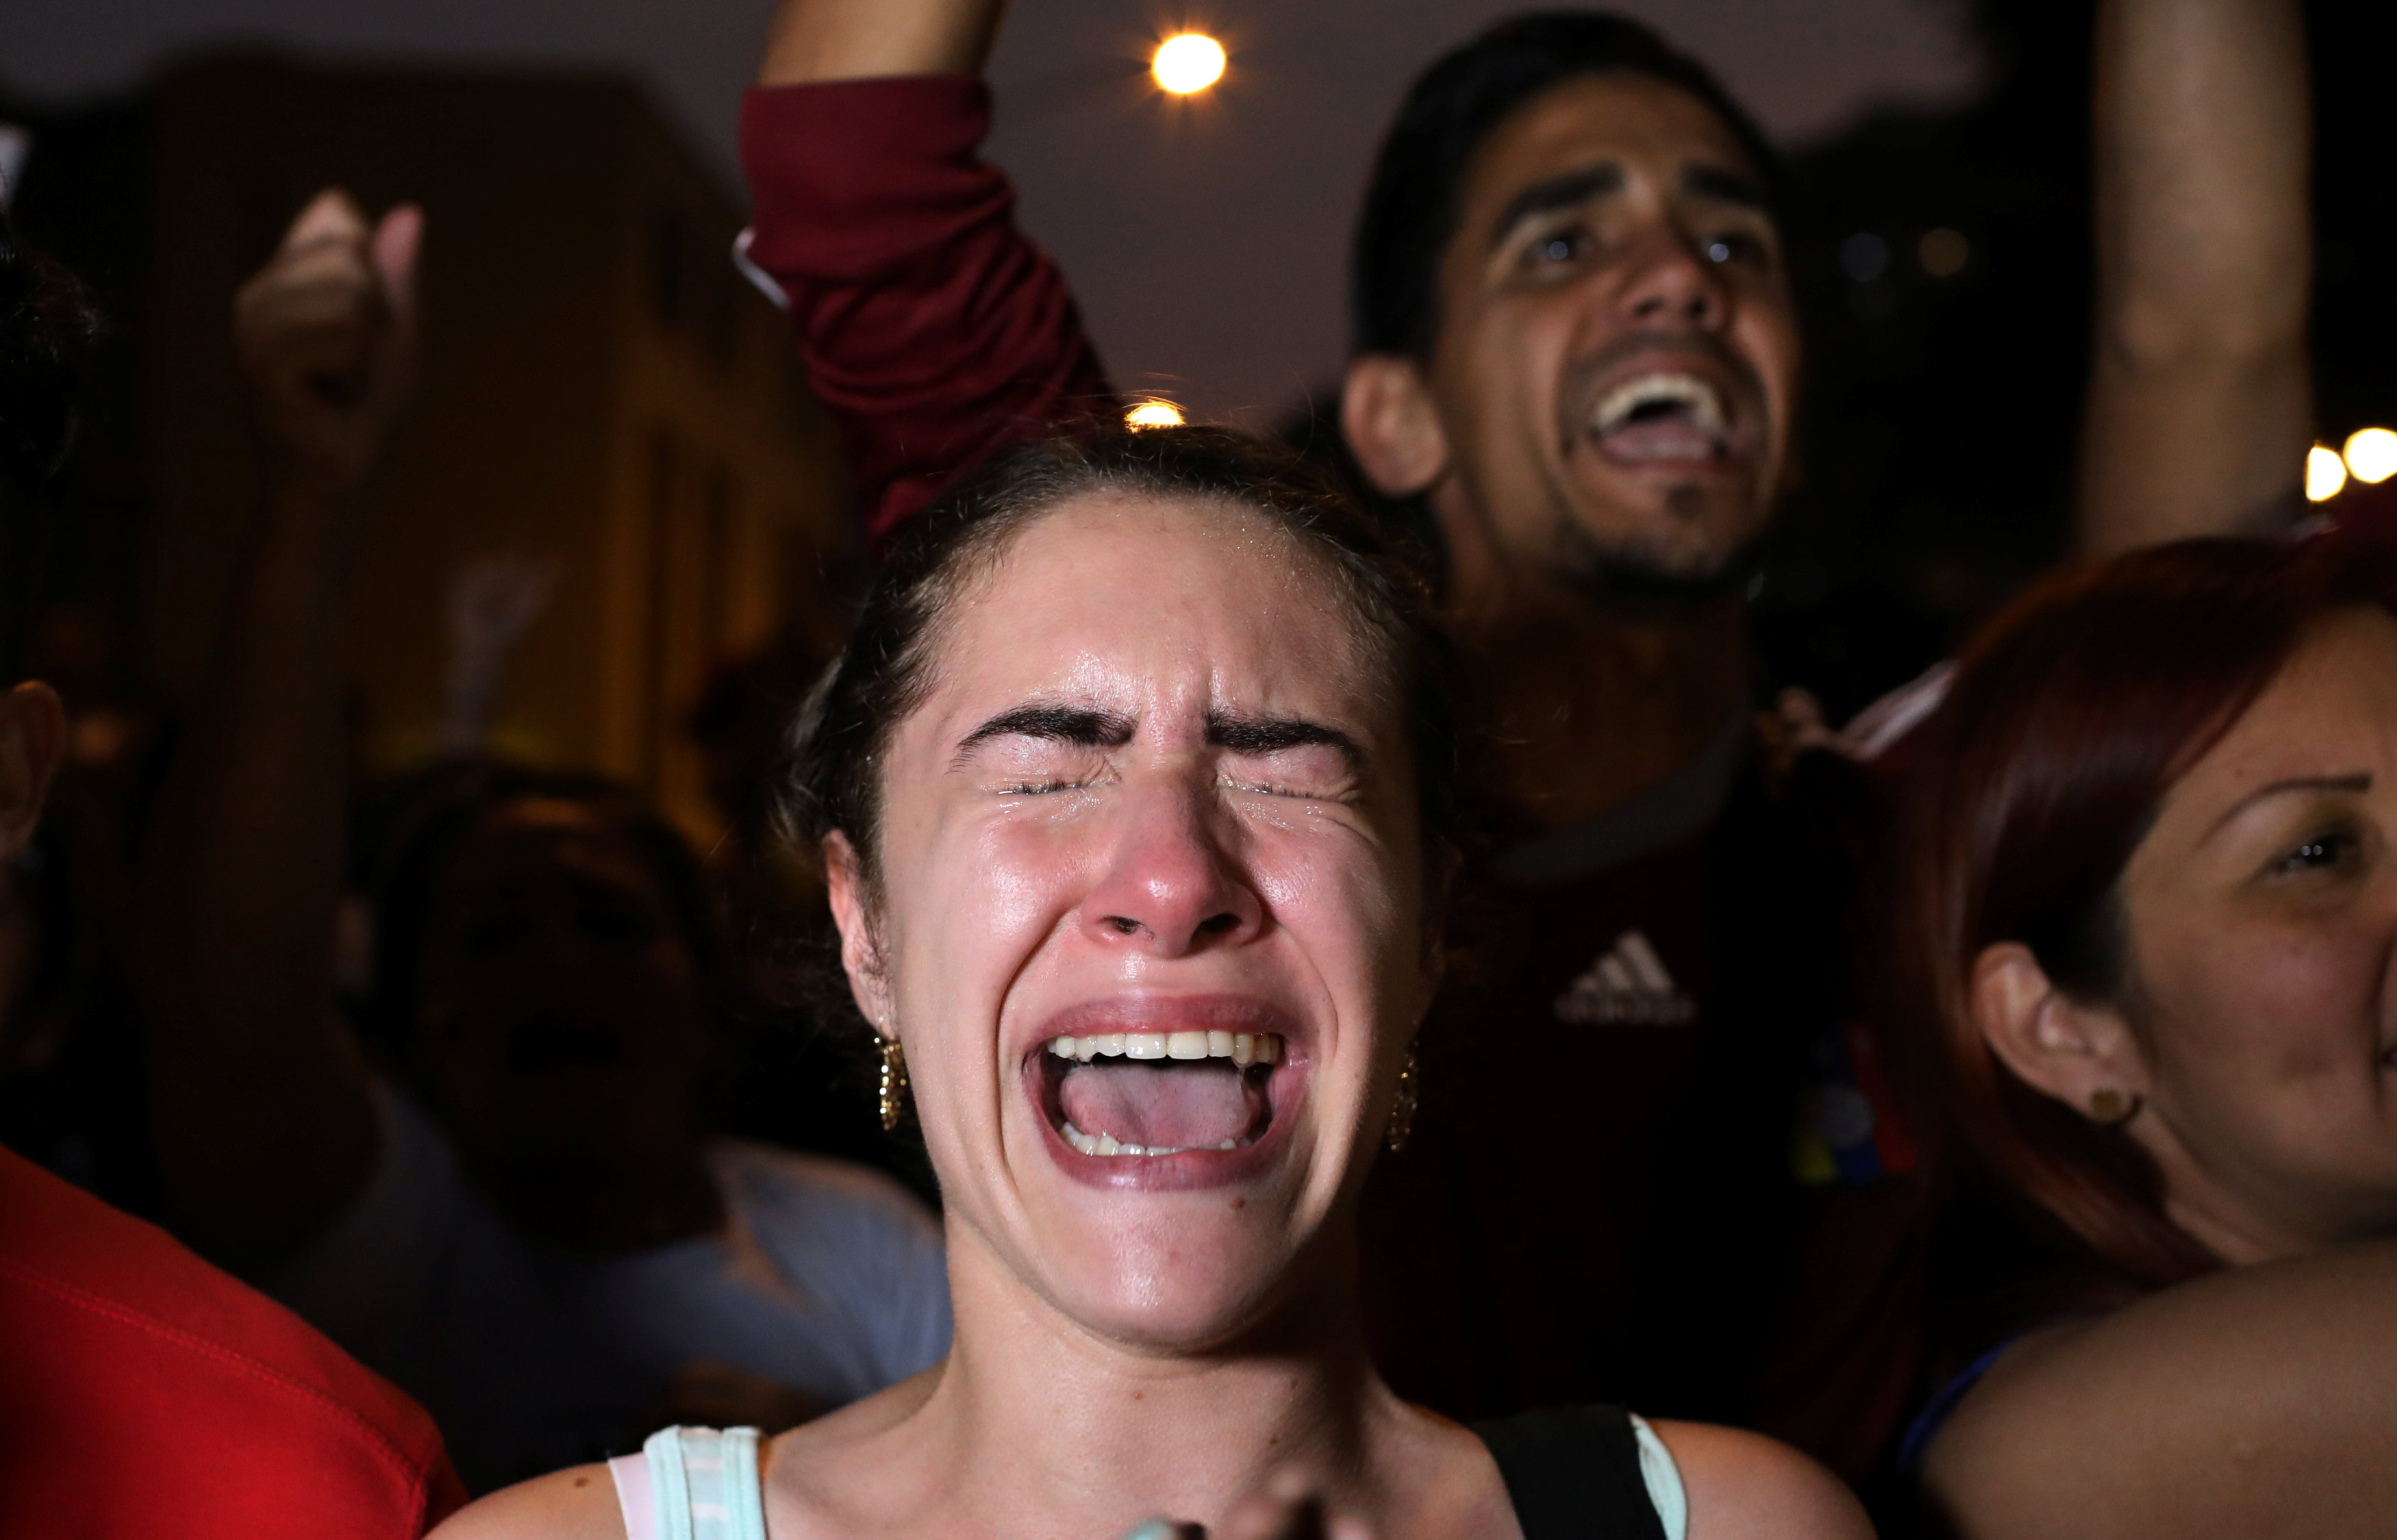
{"x": 1725, "y": 186}
{"x": 1558, "y": 192}
{"x": 1272, "y": 734}
{"x": 1084, "y": 727}
{"x": 2360, "y": 782}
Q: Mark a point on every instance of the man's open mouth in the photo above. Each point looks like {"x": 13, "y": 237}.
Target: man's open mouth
{"x": 1663, "y": 415}
{"x": 1147, "y": 1094}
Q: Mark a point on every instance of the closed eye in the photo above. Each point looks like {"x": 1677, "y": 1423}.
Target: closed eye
{"x": 1043, "y": 787}
{"x": 1285, "y": 789}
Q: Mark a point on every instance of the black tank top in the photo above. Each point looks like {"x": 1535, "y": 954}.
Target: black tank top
{"x": 1573, "y": 1475}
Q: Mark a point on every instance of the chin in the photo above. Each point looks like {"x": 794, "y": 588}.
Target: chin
{"x": 1659, "y": 549}
{"x": 1180, "y": 1292}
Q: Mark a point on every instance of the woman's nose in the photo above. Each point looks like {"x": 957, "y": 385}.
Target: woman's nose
{"x": 1171, "y": 888}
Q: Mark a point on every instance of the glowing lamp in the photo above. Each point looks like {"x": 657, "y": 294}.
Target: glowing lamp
{"x": 1943, "y": 252}
{"x": 1188, "y": 62}
{"x": 1153, "y": 414}
{"x": 2372, "y": 454}
{"x": 2326, "y": 474}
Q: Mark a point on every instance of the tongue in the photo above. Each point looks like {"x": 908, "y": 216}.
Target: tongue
{"x": 1183, "y": 1106}
{"x": 1671, "y": 435}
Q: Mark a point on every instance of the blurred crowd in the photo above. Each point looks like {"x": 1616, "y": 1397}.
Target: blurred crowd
{"x": 1986, "y": 1103}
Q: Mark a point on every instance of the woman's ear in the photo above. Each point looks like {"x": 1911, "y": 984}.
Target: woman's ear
{"x": 2070, "y": 1049}
{"x": 1388, "y": 416}
{"x": 861, "y": 957}
{"x": 32, "y": 742}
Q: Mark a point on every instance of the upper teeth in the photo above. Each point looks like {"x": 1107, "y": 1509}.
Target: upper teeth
{"x": 1241, "y": 1047}
{"x": 1618, "y": 404}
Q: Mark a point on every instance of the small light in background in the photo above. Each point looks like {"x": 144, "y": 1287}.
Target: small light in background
{"x": 1943, "y": 252}
{"x": 1864, "y": 256}
{"x": 2372, "y": 455}
{"x": 1187, "y": 61}
{"x": 1153, "y": 414}
{"x": 2326, "y": 474}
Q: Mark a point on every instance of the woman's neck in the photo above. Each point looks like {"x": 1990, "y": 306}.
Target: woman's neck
{"x": 1038, "y": 1425}
{"x": 1144, "y": 1432}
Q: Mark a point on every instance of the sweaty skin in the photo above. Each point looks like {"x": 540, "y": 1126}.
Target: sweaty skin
{"x": 1088, "y": 811}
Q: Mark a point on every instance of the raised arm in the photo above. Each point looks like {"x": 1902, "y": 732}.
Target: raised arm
{"x": 2201, "y": 404}
{"x": 258, "y": 1093}
{"x": 936, "y": 333}
{"x": 813, "y": 40}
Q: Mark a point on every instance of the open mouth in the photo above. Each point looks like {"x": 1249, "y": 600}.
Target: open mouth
{"x": 1664, "y": 415}
{"x": 1147, "y": 1094}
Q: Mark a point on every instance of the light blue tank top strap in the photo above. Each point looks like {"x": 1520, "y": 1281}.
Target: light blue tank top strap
{"x": 695, "y": 1483}
{"x": 700, "y": 1484}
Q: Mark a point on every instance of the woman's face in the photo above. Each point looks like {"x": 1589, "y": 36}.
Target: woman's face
{"x": 2263, "y": 923}
{"x": 1153, "y": 930}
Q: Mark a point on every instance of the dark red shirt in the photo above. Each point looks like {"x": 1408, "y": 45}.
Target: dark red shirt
{"x": 1600, "y": 1203}
{"x": 935, "y": 332}
{"x": 145, "y": 1394}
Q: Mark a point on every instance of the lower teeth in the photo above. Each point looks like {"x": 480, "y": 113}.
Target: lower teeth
{"x": 1106, "y": 1145}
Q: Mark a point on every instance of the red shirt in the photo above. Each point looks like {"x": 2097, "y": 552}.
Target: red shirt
{"x": 145, "y": 1394}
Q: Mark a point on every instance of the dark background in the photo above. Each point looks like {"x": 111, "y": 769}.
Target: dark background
{"x": 1942, "y": 411}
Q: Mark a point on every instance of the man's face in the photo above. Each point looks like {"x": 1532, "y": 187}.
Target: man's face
{"x": 1618, "y": 353}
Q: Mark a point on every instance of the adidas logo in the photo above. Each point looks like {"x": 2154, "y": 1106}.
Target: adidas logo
{"x": 1626, "y": 986}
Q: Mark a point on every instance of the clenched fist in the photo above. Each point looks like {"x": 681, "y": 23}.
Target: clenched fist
{"x": 327, "y": 337}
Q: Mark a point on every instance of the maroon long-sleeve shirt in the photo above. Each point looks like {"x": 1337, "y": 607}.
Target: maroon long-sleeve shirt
{"x": 935, "y": 331}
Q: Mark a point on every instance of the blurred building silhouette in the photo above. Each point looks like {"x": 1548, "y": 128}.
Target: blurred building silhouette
{"x": 600, "y": 398}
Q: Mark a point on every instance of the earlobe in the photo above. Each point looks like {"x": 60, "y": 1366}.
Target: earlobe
{"x": 32, "y": 742}
{"x": 2071, "y": 1050}
{"x": 1388, "y": 416}
{"x": 860, "y": 954}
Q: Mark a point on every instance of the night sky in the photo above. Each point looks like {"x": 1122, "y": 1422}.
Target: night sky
{"x": 1205, "y": 237}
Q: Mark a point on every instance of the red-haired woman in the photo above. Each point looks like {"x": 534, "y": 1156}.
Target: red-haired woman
{"x": 2154, "y": 942}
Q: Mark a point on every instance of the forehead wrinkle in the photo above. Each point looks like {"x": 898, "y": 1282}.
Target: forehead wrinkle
{"x": 1248, "y": 677}
{"x": 1725, "y": 185}
{"x": 1563, "y": 190}
{"x": 1666, "y": 118}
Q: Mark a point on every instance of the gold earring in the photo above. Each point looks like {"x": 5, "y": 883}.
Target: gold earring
{"x": 1402, "y": 1112}
{"x": 2113, "y": 1108}
{"x": 895, "y": 1082}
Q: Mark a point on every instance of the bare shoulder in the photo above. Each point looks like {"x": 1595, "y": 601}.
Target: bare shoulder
{"x": 2263, "y": 1397}
{"x": 1741, "y": 1485}
{"x": 572, "y": 1504}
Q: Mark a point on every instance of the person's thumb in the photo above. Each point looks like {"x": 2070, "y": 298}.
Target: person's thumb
{"x": 396, "y": 242}
{"x": 331, "y": 215}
